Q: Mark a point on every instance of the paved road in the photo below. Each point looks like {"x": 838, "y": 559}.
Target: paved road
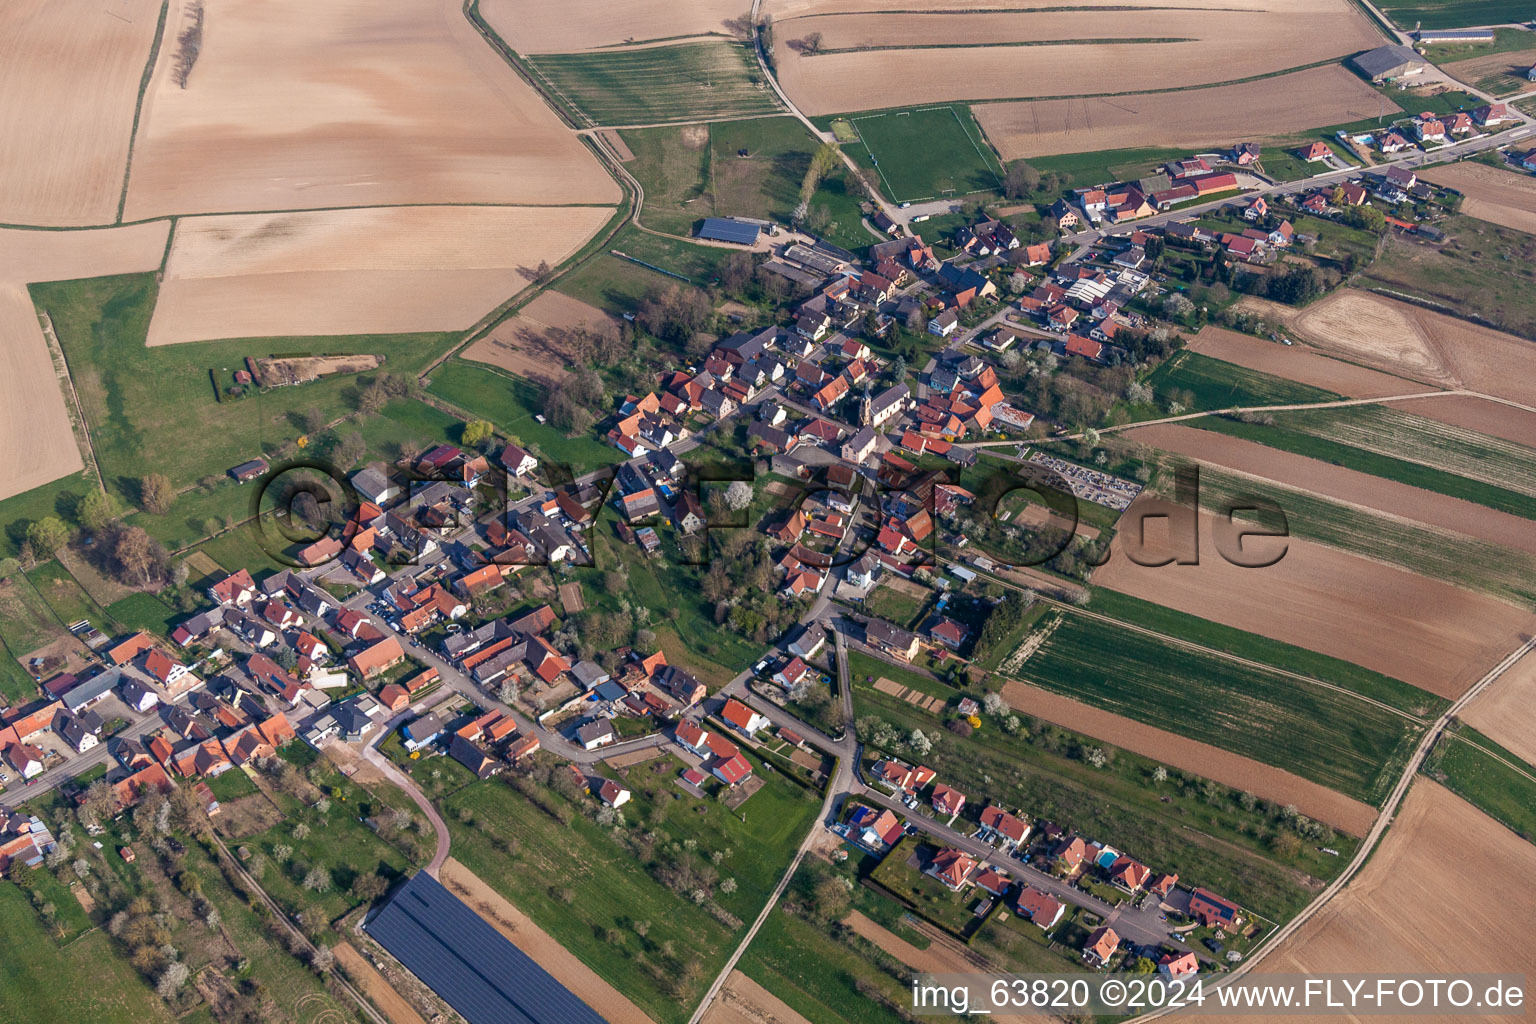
{"x": 383, "y": 764}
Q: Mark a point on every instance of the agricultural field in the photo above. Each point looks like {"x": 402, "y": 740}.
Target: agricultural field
{"x": 1502, "y": 73}
{"x": 535, "y": 342}
{"x": 694, "y": 171}
{"x": 1454, "y": 13}
{"x": 1497, "y": 196}
{"x": 70, "y": 75}
{"x": 1205, "y": 383}
{"x": 141, "y": 403}
{"x": 37, "y": 439}
{"x": 1396, "y": 622}
{"x": 1426, "y": 873}
{"x": 656, "y": 84}
{"x": 529, "y": 26}
{"x": 1506, "y": 710}
{"x": 925, "y": 152}
{"x": 1295, "y": 455}
{"x": 619, "y": 285}
{"x": 1483, "y": 270}
{"x": 832, "y": 59}
{"x": 1487, "y": 776}
{"x": 1298, "y": 363}
{"x": 1333, "y": 738}
{"x": 372, "y": 271}
{"x": 511, "y": 404}
{"x": 292, "y": 107}
{"x": 1192, "y": 119}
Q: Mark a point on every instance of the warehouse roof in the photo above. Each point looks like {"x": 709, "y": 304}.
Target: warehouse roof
{"x": 468, "y": 963}
{"x": 720, "y": 229}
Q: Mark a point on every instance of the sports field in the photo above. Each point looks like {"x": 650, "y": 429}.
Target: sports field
{"x": 656, "y": 84}
{"x": 926, "y": 152}
{"x": 1333, "y": 738}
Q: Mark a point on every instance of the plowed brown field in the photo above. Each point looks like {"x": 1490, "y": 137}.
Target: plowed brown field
{"x": 744, "y": 1001}
{"x": 1500, "y": 197}
{"x": 1427, "y": 885}
{"x": 384, "y": 270}
{"x": 873, "y": 57}
{"x": 535, "y": 26}
{"x": 533, "y": 344}
{"x": 1342, "y": 812}
{"x": 1427, "y": 633}
{"x": 1301, "y": 364}
{"x": 1195, "y": 118}
{"x": 69, "y": 82}
{"x": 1252, "y": 458}
{"x": 296, "y": 105}
{"x": 1506, "y": 711}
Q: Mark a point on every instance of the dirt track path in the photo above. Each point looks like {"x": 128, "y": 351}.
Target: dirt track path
{"x": 376, "y": 986}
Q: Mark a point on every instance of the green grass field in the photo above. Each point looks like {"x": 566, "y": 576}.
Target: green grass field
{"x": 1455, "y": 13}
{"x": 1328, "y": 737}
{"x": 26, "y": 620}
{"x": 1214, "y": 384}
{"x": 653, "y": 85}
{"x": 1403, "y": 447}
{"x": 619, "y": 285}
{"x": 144, "y": 611}
{"x": 1454, "y": 558}
{"x": 60, "y": 498}
{"x": 42, "y": 983}
{"x": 926, "y": 152}
{"x": 68, "y": 600}
{"x": 1488, "y": 776}
{"x": 511, "y": 403}
{"x": 1104, "y": 166}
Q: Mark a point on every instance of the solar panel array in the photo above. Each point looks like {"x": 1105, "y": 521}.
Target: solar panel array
{"x": 721, "y": 230}
{"x": 468, "y": 963}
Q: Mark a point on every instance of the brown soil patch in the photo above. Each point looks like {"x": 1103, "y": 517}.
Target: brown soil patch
{"x": 1506, "y": 711}
{"x": 1252, "y": 111}
{"x": 1425, "y": 632}
{"x": 376, "y": 271}
{"x": 616, "y": 143}
{"x": 1262, "y": 780}
{"x": 37, "y": 440}
{"x": 743, "y": 1001}
{"x": 1299, "y": 363}
{"x": 69, "y": 78}
{"x": 305, "y": 368}
{"x": 1393, "y": 917}
{"x": 536, "y": 342}
{"x": 375, "y": 986}
{"x": 84, "y": 898}
{"x": 1219, "y": 40}
{"x": 1494, "y": 195}
{"x": 531, "y": 26}
{"x": 1472, "y": 413}
{"x": 917, "y": 698}
{"x": 570, "y": 598}
{"x": 1402, "y": 338}
{"x": 247, "y": 816}
{"x": 297, "y": 106}
{"x": 608, "y": 1001}
{"x": 1251, "y": 458}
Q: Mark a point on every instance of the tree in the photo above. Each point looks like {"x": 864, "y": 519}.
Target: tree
{"x": 139, "y": 558}
{"x": 322, "y": 959}
{"x": 919, "y": 742}
{"x": 9, "y": 567}
{"x": 97, "y": 510}
{"x": 47, "y": 535}
{"x": 156, "y": 494}
{"x": 1143, "y": 965}
{"x": 171, "y": 979}
{"x": 313, "y": 420}
{"x": 994, "y": 703}
{"x": 1021, "y": 180}
{"x": 477, "y": 433}
{"x": 1159, "y": 774}
{"x": 372, "y": 398}
{"x": 318, "y": 879}
{"x": 738, "y": 495}
{"x": 350, "y": 449}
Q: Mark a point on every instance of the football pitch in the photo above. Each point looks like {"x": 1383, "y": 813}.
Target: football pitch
{"x": 926, "y": 153}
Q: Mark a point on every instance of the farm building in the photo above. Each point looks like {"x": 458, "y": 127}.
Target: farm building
{"x": 721, "y": 229}
{"x": 1386, "y": 63}
{"x": 477, "y": 971}
{"x": 1454, "y": 35}
{"x": 248, "y": 471}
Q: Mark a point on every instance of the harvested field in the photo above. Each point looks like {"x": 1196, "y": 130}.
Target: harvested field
{"x": 1498, "y": 73}
{"x": 1498, "y": 196}
{"x": 1506, "y": 711}
{"x": 375, "y": 986}
{"x": 376, "y": 271}
{"x": 1262, "y": 780}
{"x": 868, "y": 55}
{"x": 37, "y": 440}
{"x": 1425, "y": 632}
{"x": 1479, "y": 414}
{"x": 1252, "y": 111}
{"x": 69, "y": 82}
{"x": 1347, "y": 485}
{"x": 744, "y": 1001}
{"x": 608, "y": 1001}
{"x": 293, "y": 105}
{"x": 530, "y": 26}
{"x": 1392, "y": 917}
{"x": 1300, "y": 364}
{"x": 1402, "y": 338}
{"x": 536, "y": 342}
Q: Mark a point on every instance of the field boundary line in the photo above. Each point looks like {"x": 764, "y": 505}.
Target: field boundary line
{"x": 1518, "y": 770}
{"x": 61, "y": 370}
{"x": 138, "y": 106}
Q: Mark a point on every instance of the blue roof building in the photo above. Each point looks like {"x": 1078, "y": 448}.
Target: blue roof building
{"x": 719, "y": 229}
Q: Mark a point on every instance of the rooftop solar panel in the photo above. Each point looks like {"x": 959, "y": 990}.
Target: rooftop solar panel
{"x": 721, "y": 230}
{"x": 468, "y": 963}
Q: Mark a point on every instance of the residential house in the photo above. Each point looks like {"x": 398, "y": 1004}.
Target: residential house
{"x": 1213, "y": 910}
{"x": 953, "y": 868}
{"x": 732, "y": 771}
{"x": 1177, "y": 966}
{"x": 742, "y": 717}
{"x": 1042, "y": 909}
{"x": 860, "y": 446}
{"x": 692, "y": 737}
{"x": 876, "y": 830}
{"x": 612, "y": 794}
{"x": 421, "y": 732}
{"x": 944, "y": 323}
{"x": 377, "y": 658}
{"x": 596, "y": 732}
{"x": 890, "y": 639}
{"x": 130, "y": 648}
{"x": 947, "y": 801}
{"x": 1314, "y": 151}
{"x": 1101, "y": 945}
{"x": 1129, "y": 874}
{"x": 1012, "y": 830}
{"x": 517, "y": 461}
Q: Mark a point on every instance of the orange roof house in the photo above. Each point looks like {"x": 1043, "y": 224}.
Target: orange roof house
{"x": 131, "y": 648}
{"x": 1101, "y": 946}
{"x": 953, "y": 867}
{"x": 394, "y": 697}
{"x": 381, "y": 657}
